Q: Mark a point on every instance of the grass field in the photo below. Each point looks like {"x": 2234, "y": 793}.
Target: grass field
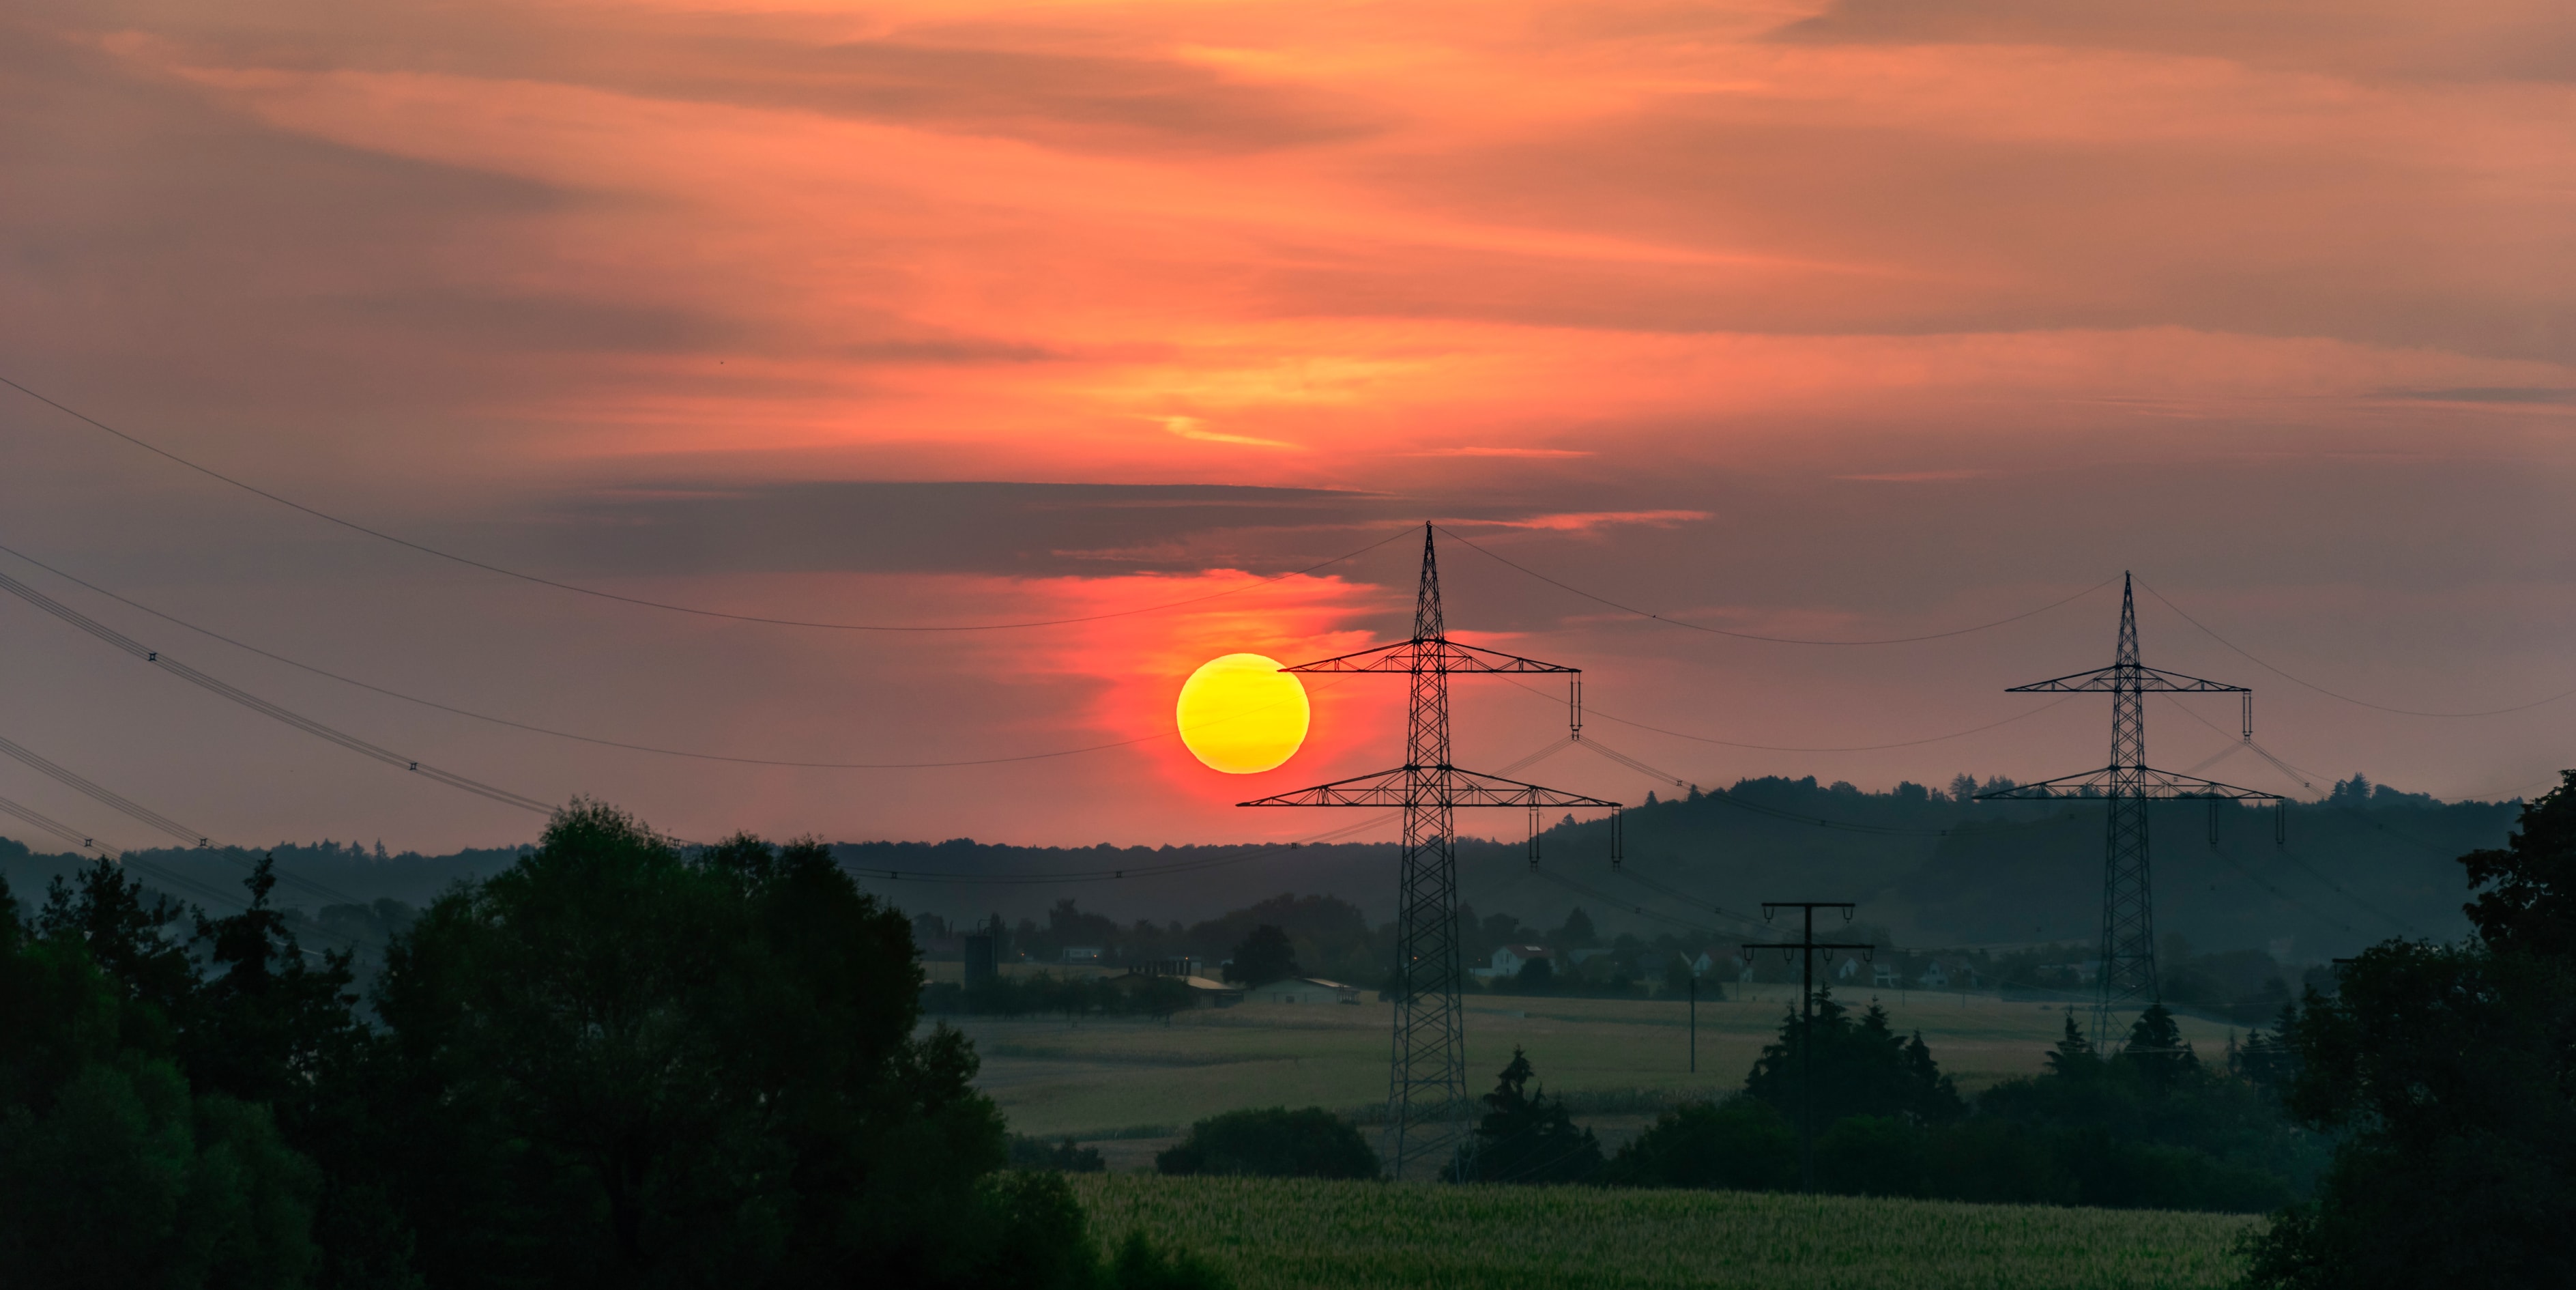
{"x": 1099, "y": 1077}
{"x": 1273, "y": 1234}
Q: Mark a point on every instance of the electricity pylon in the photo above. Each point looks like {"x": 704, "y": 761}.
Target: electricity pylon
{"x": 2127, "y": 974}
{"x": 1426, "y": 1100}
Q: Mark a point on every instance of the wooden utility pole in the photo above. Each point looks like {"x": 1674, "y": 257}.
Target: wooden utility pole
{"x": 1806, "y": 946}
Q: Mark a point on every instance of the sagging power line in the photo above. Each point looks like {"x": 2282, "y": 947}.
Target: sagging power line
{"x": 696, "y": 611}
{"x": 226, "y": 690}
{"x": 1752, "y": 636}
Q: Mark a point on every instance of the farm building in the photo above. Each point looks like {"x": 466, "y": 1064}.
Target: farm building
{"x": 1304, "y": 989}
{"x": 1204, "y": 993}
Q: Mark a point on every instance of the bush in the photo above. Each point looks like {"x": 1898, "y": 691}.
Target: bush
{"x": 1743, "y": 1144}
{"x": 1063, "y": 1158}
{"x": 1273, "y": 1143}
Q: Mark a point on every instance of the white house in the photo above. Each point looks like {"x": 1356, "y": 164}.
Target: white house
{"x": 1883, "y": 975}
{"x": 1305, "y": 989}
{"x": 1849, "y": 971}
{"x": 1935, "y": 977}
{"x": 1509, "y": 959}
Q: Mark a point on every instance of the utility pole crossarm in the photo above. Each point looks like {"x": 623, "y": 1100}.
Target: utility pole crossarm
{"x": 1444, "y": 656}
{"x": 2131, "y": 781}
{"x": 2114, "y": 677}
{"x": 1463, "y": 788}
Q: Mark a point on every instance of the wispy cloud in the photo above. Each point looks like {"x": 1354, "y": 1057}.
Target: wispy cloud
{"x": 1192, "y": 428}
{"x": 1488, "y": 451}
{"x": 1587, "y": 521}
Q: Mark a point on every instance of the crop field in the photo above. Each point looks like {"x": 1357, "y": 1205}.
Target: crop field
{"x": 1100, "y": 1077}
{"x": 1274, "y": 1234}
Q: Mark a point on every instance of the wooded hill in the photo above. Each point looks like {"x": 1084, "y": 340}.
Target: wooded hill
{"x": 2364, "y": 865}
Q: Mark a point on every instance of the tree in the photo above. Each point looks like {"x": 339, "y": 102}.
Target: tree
{"x": 1577, "y": 932}
{"x": 2073, "y": 1058}
{"x": 1272, "y": 1143}
{"x": 1860, "y": 1068}
{"x": 1743, "y": 1144}
{"x": 1263, "y": 957}
{"x": 2451, "y": 1072}
{"x": 1525, "y": 1137}
{"x": 2157, "y": 1050}
{"x": 619, "y": 1065}
{"x": 112, "y": 1173}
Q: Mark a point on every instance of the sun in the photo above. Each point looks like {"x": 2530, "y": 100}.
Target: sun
{"x": 1240, "y": 714}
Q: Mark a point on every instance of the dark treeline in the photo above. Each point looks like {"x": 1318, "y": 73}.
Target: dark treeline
{"x": 2150, "y": 1126}
{"x": 1938, "y": 869}
{"x": 609, "y": 1064}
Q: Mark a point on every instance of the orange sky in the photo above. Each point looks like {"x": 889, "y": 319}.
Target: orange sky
{"x": 1854, "y": 319}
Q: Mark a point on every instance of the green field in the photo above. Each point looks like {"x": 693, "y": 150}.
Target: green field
{"x": 1101, "y": 1077}
{"x": 1274, "y": 1234}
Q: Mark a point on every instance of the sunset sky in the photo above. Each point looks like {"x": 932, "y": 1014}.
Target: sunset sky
{"x": 1852, "y": 320}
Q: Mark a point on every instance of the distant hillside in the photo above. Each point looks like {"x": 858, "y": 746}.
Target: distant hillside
{"x": 2368, "y": 864}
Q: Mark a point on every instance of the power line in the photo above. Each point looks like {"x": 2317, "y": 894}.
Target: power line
{"x": 1740, "y": 803}
{"x": 1777, "y": 640}
{"x": 166, "y": 876}
{"x": 1118, "y": 873}
{"x": 470, "y": 562}
{"x": 1590, "y": 711}
{"x": 2311, "y": 685}
{"x": 245, "y": 698}
{"x": 1613, "y": 902}
{"x": 126, "y": 806}
{"x": 594, "y": 739}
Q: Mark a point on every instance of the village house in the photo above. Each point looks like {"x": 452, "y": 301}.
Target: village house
{"x": 1509, "y": 960}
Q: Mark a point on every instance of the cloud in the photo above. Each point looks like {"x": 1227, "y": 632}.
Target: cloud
{"x": 1587, "y": 521}
{"x": 1503, "y": 452}
{"x": 1193, "y": 428}
{"x": 2510, "y": 39}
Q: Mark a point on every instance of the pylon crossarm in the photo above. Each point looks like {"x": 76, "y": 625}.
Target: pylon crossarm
{"x": 2137, "y": 781}
{"x": 1401, "y": 785}
{"x": 2105, "y": 680}
{"x": 1431, "y": 656}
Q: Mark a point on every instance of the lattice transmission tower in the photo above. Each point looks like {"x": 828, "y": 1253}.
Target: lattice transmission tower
{"x": 1426, "y": 1098}
{"x": 2127, "y": 977}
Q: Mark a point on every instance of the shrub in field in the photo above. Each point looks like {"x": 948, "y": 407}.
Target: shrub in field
{"x": 1063, "y": 1158}
{"x": 1525, "y": 1137}
{"x": 1741, "y": 1145}
{"x": 1274, "y": 1142}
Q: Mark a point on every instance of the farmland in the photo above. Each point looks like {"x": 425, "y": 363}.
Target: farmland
{"x": 1100, "y": 1077}
{"x": 1272, "y": 1234}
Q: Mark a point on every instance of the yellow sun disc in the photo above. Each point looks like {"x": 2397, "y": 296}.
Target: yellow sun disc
{"x": 1240, "y": 714}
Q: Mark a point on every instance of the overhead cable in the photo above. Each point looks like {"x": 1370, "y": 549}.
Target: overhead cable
{"x": 1754, "y": 636}
{"x": 166, "y": 876}
{"x": 2311, "y": 685}
{"x": 1589, "y": 711}
{"x": 126, "y": 806}
{"x": 1759, "y": 808}
{"x": 453, "y": 710}
{"x": 226, "y": 690}
{"x": 503, "y": 571}
{"x": 1119, "y": 873}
